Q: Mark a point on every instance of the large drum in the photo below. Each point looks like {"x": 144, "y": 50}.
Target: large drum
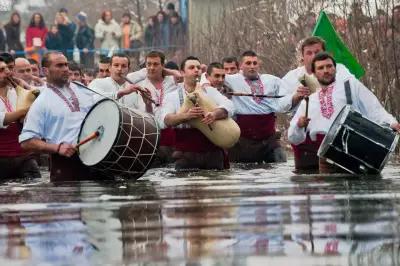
{"x": 357, "y": 144}
{"x": 127, "y": 141}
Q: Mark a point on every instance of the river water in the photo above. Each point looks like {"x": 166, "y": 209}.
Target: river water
{"x": 249, "y": 215}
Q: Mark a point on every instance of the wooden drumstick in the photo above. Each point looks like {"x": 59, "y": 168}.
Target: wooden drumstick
{"x": 92, "y": 136}
{"x": 303, "y": 82}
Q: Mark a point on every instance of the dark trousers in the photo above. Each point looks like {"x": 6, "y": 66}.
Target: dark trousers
{"x": 213, "y": 160}
{"x": 258, "y": 151}
{"x": 163, "y": 156}
{"x": 19, "y": 167}
{"x": 69, "y": 169}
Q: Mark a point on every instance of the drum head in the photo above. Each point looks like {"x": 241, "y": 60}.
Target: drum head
{"x": 105, "y": 115}
{"x": 334, "y": 130}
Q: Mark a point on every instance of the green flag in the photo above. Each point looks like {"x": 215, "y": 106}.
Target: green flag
{"x": 334, "y": 44}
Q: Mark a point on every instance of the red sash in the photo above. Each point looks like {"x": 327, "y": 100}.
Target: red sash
{"x": 308, "y": 145}
{"x": 192, "y": 140}
{"x": 167, "y": 137}
{"x": 9, "y": 145}
{"x": 256, "y": 127}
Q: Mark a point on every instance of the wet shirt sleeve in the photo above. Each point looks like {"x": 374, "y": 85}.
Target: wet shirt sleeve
{"x": 2, "y": 115}
{"x": 34, "y": 126}
{"x": 169, "y": 106}
{"x": 221, "y": 101}
{"x": 280, "y": 105}
{"x": 297, "y": 135}
{"x": 369, "y": 104}
{"x": 137, "y": 76}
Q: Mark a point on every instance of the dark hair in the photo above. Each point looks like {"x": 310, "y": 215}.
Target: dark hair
{"x": 33, "y": 61}
{"x": 311, "y": 41}
{"x": 41, "y": 23}
{"x": 46, "y": 62}
{"x": 230, "y": 59}
{"x": 153, "y": 19}
{"x": 8, "y": 58}
{"x": 171, "y": 65}
{"x": 104, "y": 60}
{"x": 164, "y": 16}
{"x": 320, "y": 57}
{"x": 187, "y": 59}
{"x": 74, "y": 66}
{"x": 63, "y": 10}
{"x": 90, "y": 72}
{"x": 103, "y": 14}
{"x": 121, "y": 55}
{"x": 153, "y": 54}
{"x": 213, "y": 65}
{"x": 248, "y": 53}
{"x": 127, "y": 14}
{"x": 11, "y": 22}
{"x": 171, "y": 6}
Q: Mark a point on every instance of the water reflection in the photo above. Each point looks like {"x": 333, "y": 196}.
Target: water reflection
{"x": 42, "y": 237}
{"x": 246, "y": 216}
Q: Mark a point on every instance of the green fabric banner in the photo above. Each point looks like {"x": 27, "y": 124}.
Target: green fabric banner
{"x": 334, "y": 45}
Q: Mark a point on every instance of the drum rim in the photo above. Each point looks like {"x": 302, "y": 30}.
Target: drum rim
{"x": 325, "y": 142}
{"x": 349, "y": 108}
{"x": 118, "y": 133}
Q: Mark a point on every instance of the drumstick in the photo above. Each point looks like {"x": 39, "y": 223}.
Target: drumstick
{"x": 88, "y": 138}
{"x": 143, "y": 92}
{"x": 254, "y": 95}
{"x": 303, "y": 82}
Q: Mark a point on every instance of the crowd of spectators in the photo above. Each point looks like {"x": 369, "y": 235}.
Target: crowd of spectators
{"x": 164, "y": 31}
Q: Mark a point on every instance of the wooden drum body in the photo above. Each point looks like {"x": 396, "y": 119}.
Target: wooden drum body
{"x": 127, "y": 142}
{"x": 357, "y": 144}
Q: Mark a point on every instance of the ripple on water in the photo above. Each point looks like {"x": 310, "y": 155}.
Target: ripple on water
{"x": 248, "y": 215}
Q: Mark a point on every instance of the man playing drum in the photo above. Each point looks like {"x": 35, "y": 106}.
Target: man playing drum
{"x": 327, "y": 102}
{"x": 54, "y": 119}
{"x": 304, "y": 156}
{"x": 256, "y": 115}
{"x": 193, "y": 149}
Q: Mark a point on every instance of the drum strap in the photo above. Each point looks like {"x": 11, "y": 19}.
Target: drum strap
{"x": 180, "y": 92}
{"x": 348, "y": 92}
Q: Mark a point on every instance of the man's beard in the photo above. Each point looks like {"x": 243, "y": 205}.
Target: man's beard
{"x": 60, "y": 81}
{"x": 326, "y": 83}
{"x": 253, "y": 75}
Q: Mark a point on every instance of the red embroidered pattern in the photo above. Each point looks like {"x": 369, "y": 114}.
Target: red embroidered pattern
{"x": 74, "y": 105}
{"x": 256, "y": 88}
{"x": 7, "y": 104}
{"x": 160, "y": 96}
{"x": 325, "y": 100}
